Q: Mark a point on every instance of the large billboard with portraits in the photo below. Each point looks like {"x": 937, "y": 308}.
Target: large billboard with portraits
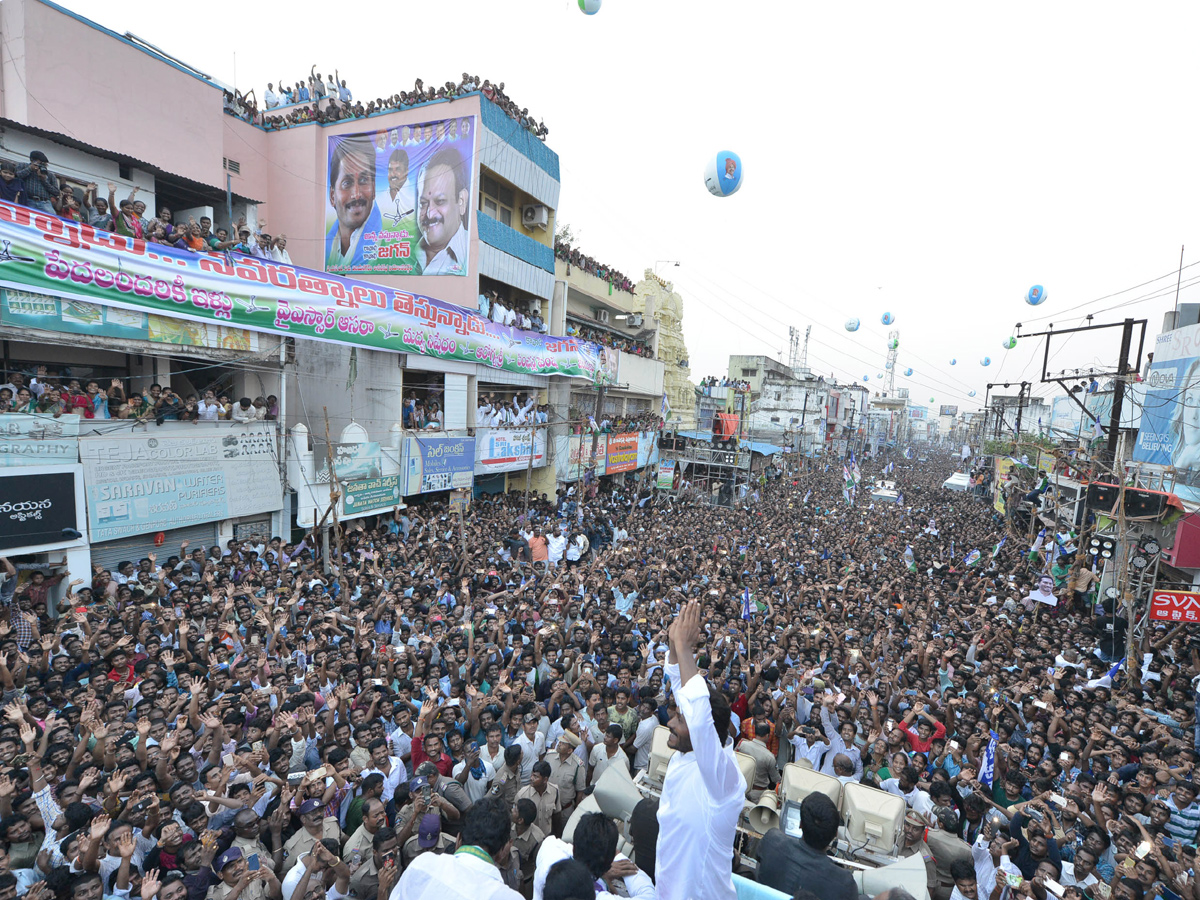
{"x": 398, "y": 200}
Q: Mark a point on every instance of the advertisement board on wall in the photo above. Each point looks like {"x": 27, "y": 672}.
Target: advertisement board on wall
{"x": 437, "y": 464}
{"x": 1170, "y": 431}
{"x": 371, "y": 494}
{"x": 354, "y": 462}
{"x": 947, "y": 410}
{"x": 1175, "y": 606}
{"x": 622, "y": 453}
{"x": 579, "y": 456}
{"x": 507, "y": 450}
{"x": 399, "y": 200}
{"x": 34, "y": 310}
{"x": 666, "y": 475}
{"x": 37, "y": 439}
{"x": 144, "y": 482}
{"x": 34, "y": 509}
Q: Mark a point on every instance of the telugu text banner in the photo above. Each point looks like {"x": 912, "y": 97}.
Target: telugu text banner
{"x": 46, "y": 254}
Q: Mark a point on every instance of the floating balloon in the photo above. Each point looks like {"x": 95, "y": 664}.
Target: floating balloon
{"x": 590, "y": 7}
{"x": 723, "y": 174}
{"x": 893, "y": 343}
{"x": 1036, "y": 295}
{"x": 888, "y": 364}
{"x": 986, "y": 361}
{"x": 954, "y": 362}
{"x": 930, "y": 399}
{"x": 866, "y": 378}
{"x": 1009, "y": 342}
{"x": 887, "y": 318}
{"x": 878, "y": 374}
{"x": 971, "y": 394}
{"x": 907, "y": 373}
{"x": 852, "y": 324}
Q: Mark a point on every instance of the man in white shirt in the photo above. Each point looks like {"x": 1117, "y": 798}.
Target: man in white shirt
{"x": 352, "y": 196}
{"x": 279, "y": 251}
{"x": 480, "y": 776}
{"x": 905, "y": 785}
{"x": 471, "y": 872}
{"x": 644, "y": 736}
{"x": 595, "y": 845}
{"x": 704, "y": 790}
{"x": 533, "y": 746}
{"x": 607, "y": 753}
{"x": 444, "y": 198}
{"x": 270, "y": 97}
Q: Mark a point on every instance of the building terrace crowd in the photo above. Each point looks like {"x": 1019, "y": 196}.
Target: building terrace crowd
{"x": 313, "y": 99}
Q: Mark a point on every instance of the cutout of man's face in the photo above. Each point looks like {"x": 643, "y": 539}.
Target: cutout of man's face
{"x": 730, "y": 168}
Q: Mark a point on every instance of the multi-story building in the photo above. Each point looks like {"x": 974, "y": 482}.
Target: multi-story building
{"x": 440, "y": 214}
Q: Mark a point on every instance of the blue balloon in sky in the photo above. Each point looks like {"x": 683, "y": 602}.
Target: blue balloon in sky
{"x": 954, "y": 362}
{"x": 972, "y": 394}
{"x": 907, "y": 372}
{"x": 986, "y": 361}
{"x": 723, "y": 174}
{"x": 866, "y": 378}
{"x": 590, "y": 7}
{"x": 1036, "y": 295}
{"x": 887, "y": 318}
{"x": 852, "y": 324}
{"x": 878, "y": 374}
{"x": 888, "y": 364}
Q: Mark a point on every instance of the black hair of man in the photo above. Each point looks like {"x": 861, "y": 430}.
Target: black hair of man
{"x": 569, "y": 879}
{"x": 595, "y": 843}
{"x": 819, "y": 820}
{"x": 487, "y": 825}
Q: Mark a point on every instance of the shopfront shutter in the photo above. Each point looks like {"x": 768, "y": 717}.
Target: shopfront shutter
{"x": 109, "y": 553}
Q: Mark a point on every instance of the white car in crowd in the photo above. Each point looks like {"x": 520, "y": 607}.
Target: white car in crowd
{"x": 959, "y": 481}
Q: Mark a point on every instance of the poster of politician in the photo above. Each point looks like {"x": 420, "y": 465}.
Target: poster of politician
{"x": 398, "y": 200}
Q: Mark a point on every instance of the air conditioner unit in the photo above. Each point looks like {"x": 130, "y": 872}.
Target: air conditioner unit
{"x": 602, "y": 316}
{"x": 535, "y": 216}
{"x": 634, "y": 320}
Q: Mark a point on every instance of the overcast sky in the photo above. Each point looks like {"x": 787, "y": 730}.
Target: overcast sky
{"x": 933, "y": 160}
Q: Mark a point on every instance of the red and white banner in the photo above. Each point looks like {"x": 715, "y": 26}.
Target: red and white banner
{"x": 1175, "y": 606}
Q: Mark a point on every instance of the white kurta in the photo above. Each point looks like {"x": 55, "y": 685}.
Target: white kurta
{"x": 702, "y": 798}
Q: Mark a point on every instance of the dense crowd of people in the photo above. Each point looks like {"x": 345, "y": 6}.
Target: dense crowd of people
{"x": 609, "y": 339}
{"x": 524, "y": 314}
{"x": 573, "y": 257}
{"x": 420, "y": 713}
{"x": 57, "y": 394}
{"x": 32, "y": 184}
{"x": 313, "y": 99}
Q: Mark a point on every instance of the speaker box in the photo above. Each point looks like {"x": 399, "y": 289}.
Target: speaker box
{"x": 1145, "y": 504}
{"x": 1102, "y": 496}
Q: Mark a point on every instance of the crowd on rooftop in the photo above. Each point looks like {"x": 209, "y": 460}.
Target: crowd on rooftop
{"x": 580, "y": 260}
{"x": 313, "y": 99}
{"x": 712, "y": 381}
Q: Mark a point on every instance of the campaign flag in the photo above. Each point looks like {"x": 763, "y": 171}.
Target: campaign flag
{"x": 900, "y": 498}
{"x": 1105, "y": 681}
{"x": 996, "y": 549}
{"x": 806, "y": 496}
{"x": 971, "y": 558}
{"x": 988, "y": 768}
{"x": 909, "y": 559}
{"x": 746, "y": 603}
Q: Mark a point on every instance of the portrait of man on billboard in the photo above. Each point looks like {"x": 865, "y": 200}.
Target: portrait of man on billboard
{"x": 443, "y": 204}
{"x": 352, "y": 196}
